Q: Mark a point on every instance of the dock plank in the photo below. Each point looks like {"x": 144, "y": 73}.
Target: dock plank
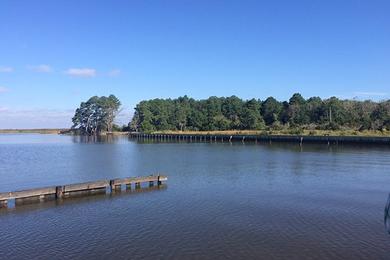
{"x": 86, "y": 186}
{"x": 27, "y": 193}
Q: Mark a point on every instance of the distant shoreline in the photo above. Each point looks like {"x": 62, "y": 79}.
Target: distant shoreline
{"x": 308, "y": 136}
{"x": 65, "y": 131}
{"x": 33, "y": 131}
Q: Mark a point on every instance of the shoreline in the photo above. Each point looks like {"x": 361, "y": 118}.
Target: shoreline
{"x": 33, "y": 131}
{"x": 327, "y": 137}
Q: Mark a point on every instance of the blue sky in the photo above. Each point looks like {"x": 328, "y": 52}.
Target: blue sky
{"x": 55, "y": 54}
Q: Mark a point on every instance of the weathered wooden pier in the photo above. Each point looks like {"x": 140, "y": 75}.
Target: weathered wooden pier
{"x": 64, "y": 191}
{"x": 299, "y": 139}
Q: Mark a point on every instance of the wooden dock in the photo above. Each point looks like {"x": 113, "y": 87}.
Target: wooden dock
{"x": 60, "y": 192}
{"x": 299, "y": 139}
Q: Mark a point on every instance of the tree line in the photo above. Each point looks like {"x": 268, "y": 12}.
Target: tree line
{"x": 233, "y": 113}
{"x": 97, "y": 114}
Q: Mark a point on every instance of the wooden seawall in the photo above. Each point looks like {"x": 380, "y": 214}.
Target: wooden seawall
{"x": 59, "y": 192}
{"x": 263, "y": 138}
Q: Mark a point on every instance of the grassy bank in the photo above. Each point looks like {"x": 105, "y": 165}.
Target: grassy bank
{"x": 285, "y": 132}
{"x": 31, "y": 131}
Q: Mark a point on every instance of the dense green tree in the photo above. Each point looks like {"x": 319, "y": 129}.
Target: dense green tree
{"x": 110, "y": 106}
{"x": 271, "y": 109}
{"x": 214, "y": 113}
{"x": 380, "y": 116}
{"x": 315, "y": 110}
{"x": 96, "y": 115}
{"x": 297, "y": 110}
{"x": 232, "y": 109}
{"x": 337, "y": 114}
{"x": 233, "y": 113}
{"x": 251, "y": 117}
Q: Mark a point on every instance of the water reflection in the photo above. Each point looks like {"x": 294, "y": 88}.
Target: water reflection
{"x": 275, "y": 146}
{"x": 387, "y": 215}
{"x": 95, "y": 139}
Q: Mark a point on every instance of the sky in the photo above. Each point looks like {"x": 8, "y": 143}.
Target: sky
{"x": 56, "y": 54}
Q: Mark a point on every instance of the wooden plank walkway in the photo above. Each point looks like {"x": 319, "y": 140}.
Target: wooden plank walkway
{"x": 65, "y": 190}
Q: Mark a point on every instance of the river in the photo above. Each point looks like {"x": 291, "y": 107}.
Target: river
{"x": 221, "y": 201}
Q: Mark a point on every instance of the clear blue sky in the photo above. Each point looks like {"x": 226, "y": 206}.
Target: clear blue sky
{"x": 55, "y": 54}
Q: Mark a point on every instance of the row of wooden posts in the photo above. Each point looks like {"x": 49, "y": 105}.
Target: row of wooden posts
{"x": 203, "y": 138}
{"x": 195, "y": 138}
{"x": 60, "y": 192}
{"x": 264, "y": 138}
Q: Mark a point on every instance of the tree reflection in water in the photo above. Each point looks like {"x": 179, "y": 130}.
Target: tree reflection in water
{"x": 94, "y": 139}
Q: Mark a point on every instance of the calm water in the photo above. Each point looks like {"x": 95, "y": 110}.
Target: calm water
{"x": 222, "y": 201}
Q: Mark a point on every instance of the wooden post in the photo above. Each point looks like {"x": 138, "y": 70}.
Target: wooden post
{"x": 112, "y": 186}
{"x": 158, "y": 180}
{"x": 128, "y": 186}
{"x": 59, "y": 192}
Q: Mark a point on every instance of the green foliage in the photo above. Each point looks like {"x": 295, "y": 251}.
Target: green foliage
{"x": 297, "y": 110}
{"x": 271, "y": 109}
{"x": 251, "y": 118}
{"x": 232, "y": 113}
{"x": 96, "y": 115}
{"x": 296, "y": 131}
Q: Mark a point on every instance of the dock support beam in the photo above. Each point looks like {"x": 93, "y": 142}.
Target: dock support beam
{"x": 60, "y": 192}
{"x": 128, "y": 186}
{"x": 112, "y": 186}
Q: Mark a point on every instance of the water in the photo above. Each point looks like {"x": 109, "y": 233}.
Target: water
{"x": 222, "y": 201}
